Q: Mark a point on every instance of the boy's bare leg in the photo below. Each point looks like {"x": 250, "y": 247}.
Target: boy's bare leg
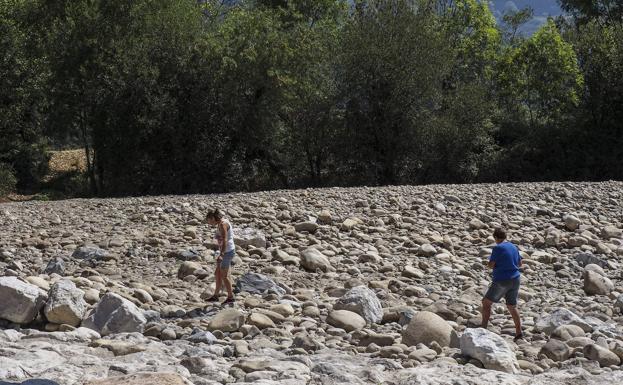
{"x": 486, "y": 312}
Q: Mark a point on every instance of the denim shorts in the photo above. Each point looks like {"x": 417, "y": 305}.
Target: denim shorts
{"x": 226, "y": 262}
{"x": 509, "y": 289}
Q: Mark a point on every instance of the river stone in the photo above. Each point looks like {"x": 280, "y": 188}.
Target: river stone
{"x": 260, "y": 320}
{"x": 114, "y": 314}
{"x": 555, "y": 350}
{"x": 567, "y": 332}
{"x": 572, "y": 222}
{"x": 600, "y": 354}
{"x": 228, "y": 320}
{"x": 346, "y": 320}
{"x": 255, "y": 283}
{"x": 66, "y": 304}
{"x": 20, "y": 302}
{"x": 362, "y": 301}
{"x": 426, "y": 327}
{"x": 312, "y": 260}
{"x": 309, "y": 227}
{"x": 191, "y": 268}
{"x": 596, "y": 284}
{"x": 490, "y": 349}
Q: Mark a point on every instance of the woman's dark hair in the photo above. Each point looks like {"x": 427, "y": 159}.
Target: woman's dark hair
{"x": 215, "y": 214}
{"x": 499, "y": 233}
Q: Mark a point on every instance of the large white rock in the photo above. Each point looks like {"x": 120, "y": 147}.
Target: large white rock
{"x": 20, "y": 302}
{"x": 312, "y": 259}
{"x": 490, "y": 349}
{"x": 249, "y": 236}
{"x": 426, "y": 327}
{"x": 549, "y": 322}
{"x": 66, "y": 304}
{"x": 114, "y": 314}
{"x": 362, "y": 301}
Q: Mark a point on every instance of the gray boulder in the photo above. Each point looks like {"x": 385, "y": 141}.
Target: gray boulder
{"x": 114, "y": 314}
{"x": 584, "y": 259}
{"x": 362, "y": 301}
{"x": 55, "y": 266}
{"x": 66, "y": 304}
{"x": 20, "y": 302}
{"x": 549, "y": 322}
{"x": 89, "y": 253}
{"x": 255, "y": 283}
{"x": 490, "y": 349}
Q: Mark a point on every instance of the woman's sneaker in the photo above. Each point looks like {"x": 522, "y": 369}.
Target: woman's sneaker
{"x": 228, "y": 301}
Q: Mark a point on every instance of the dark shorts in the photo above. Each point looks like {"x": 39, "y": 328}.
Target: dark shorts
{"x": 509, "y": 289}
{"x": 227, "y": 258}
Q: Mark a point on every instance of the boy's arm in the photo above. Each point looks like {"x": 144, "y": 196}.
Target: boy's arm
{"x": 492, "y": 258}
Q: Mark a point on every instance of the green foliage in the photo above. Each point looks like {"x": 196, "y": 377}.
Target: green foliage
{"x": 179, "y": 96}
{"x": 515, "y": 19}
{"x": 22, "y": 144}
{"x": 8, "y": 182}
{"x": 541, "y": 76}
{"x": 585, "y": 11}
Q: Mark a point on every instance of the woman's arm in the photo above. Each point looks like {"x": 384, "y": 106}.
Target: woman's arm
{"x": 223, "y": 230}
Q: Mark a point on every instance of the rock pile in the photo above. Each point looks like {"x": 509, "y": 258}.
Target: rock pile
{"x": 358, "y": 286}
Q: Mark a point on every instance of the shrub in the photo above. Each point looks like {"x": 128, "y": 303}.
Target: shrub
{"x": 7, "y": 179}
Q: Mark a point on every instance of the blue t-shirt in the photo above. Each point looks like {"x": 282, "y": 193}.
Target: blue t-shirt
{"x": 506, "y": 258}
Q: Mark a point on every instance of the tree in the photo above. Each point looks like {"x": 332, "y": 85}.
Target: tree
{"x": 23, "y": 146}
{"x": 605, "y": 11}
{"x": 541, "y": 76}
{"x": 392, "y": 63}
{"x": 515, "y": 19}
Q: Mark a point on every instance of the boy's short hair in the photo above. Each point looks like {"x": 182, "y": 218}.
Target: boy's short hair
{"x": 499, "y": 233}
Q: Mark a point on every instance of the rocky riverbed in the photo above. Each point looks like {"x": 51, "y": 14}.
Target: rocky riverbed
{"x": 357, "y": 286}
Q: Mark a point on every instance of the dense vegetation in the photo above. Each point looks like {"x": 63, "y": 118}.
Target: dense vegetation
{"x": 180, "y": 96}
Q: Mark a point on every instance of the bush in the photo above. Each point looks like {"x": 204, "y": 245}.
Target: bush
{"x": 7, "y": 179}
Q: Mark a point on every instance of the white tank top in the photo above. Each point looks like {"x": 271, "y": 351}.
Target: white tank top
{"x": 229, "y": 245}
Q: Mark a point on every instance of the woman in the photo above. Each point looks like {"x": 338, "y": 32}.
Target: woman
{"x": 226, "y": 252}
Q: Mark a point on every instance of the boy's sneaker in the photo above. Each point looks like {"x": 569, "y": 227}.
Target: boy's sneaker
{"x": 518, "y": 337}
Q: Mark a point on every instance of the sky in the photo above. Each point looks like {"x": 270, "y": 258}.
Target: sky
{"x": 542, "y": 9}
